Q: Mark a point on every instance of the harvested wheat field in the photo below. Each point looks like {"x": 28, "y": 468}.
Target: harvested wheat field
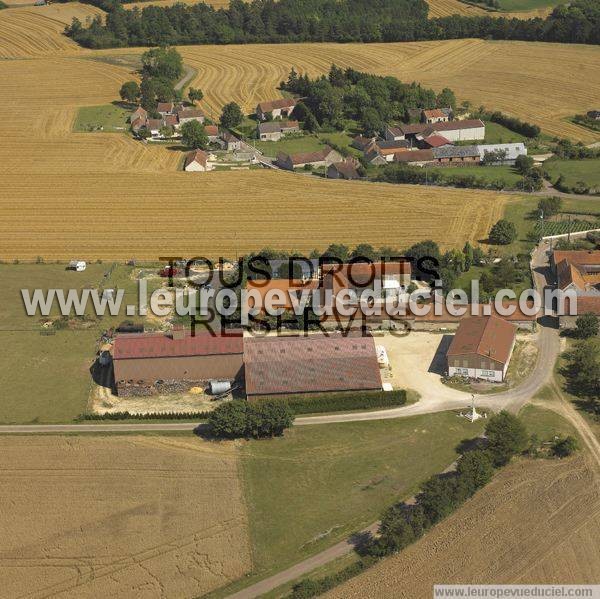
{"x": 38, "y": 137}
{"x": 38, "y": 30}
{"x": 119, "y": 517}
{"x": 552, "y": 81}
{"x": 143, "y": 216}
{"x": 536, "y": 522}
{"x": 445, "y": 8}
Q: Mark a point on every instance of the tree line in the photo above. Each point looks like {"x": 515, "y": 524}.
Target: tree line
{"x": 403, "y": 524}
{"x": 370, "y": 100}
{"x": 270, "y": 21}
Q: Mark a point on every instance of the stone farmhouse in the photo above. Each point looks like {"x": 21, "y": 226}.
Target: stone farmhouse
{"x": 199, "y": 161}
{"x": 275, "y": 130}
{"x": 320, "y": 158}
{"x": 172, "y": 115}
{"x": 275, "y": 109}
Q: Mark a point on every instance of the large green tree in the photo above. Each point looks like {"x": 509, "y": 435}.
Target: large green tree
{"x": 231, "y": 116}
{"x": 194, "y": 135}
{"x": 130, "y": 92}
{"x": 164, "y": 63}
{"x": 507, "y": 436}
{"x": 503, "y": 232}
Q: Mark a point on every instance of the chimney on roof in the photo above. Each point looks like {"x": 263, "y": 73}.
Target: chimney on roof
{"x": 178, "y": 333}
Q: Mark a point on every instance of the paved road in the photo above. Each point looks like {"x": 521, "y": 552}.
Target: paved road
{"x": 514, "y": 399}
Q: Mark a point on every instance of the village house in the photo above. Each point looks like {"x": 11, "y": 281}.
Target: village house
{"x": 577, "y": 270}
{"x": 364, "y": 144}
{"x": 185, "y": 115}
{"x": 150, "y": 363}
{"x": 199, "y": 161}
{"x": 346, "y": 169}
{"x": 230, "y": 142}
{"x": 138, "y": 113}
{"x": 275, "y": 109}
{"x": 164, "y": 108}
{"x": 314, "y": 363}
{"x": 275, "y": 130}
{"x": 481, "y": 348}
{"x": 382, "y": 151}
{"x": 511, "y": 152}
{"x": 435, "y": 115}
{"x": 212, "y": 132}
{"x": 323, "y": 157}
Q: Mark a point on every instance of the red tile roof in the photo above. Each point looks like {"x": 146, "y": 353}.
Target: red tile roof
{"x": 159, "y": 345}
{"x": 488, "y": 336}
{"x": 587, "y": 304}
{"x": 199, "y": 156}
{"x": 211, "y": 130}
{"x": 164, "y": 107}
{"x": 408, "y": 156}
{"x": 434, "y": 113}
{"x": 435, "y": 141}
{"x": 583, "y": 257}
{"x": 310, "y": 364}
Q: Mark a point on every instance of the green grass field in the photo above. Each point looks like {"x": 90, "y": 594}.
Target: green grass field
{"x": 544, "y": 423}
{"x": 46, "y": 378}
{"x": 518, "y": 5}
{"x": 352, "y": 471}
{"x": 519, "y": 209}
{"x": 498, "y": 134}
{"x": 574, "y": 171}
{"x": 506, "y": 174}
{"x": 107, "y": 118}
{"x": 306, "y": 143}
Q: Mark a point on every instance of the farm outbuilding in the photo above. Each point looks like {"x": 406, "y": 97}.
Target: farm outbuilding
{"x": 150, "y": 363}
{"x": 314, "y": 363}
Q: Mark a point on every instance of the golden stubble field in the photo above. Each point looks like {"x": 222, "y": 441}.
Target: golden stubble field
{"x": 536, "y": 522}
{"x": 537, "y": 82}
{"x": 225, "y": 213}
{"x": 119, "y": 517}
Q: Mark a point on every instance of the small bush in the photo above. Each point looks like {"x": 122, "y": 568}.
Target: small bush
{"x": 565, "y": 446}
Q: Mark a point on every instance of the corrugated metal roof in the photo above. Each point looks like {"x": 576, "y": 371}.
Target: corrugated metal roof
{"x": 310, "y": 364}
{"x": 159, "y": 345}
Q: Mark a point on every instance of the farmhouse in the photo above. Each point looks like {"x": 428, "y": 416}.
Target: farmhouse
{"x": 275, "y": 109}
{"x": 212, "y": 132}
{"x": 578, "y": 270}
{"x": 323, "y": 157}
{"x": 164, "y": 108}
{"x": 311, "y": 364}
{"x": 150, "y": 363}
{"x": 230, "y": 142}
{"x": 455, "y": 155}
{"x": 275, "y": 130}
{"x": 481, "y": 348}
{"x": 185, "y": 115}
{"x": 510, "y": 151}
{"x": 198, "y": 161}
{"x": 363, "y": 144}
{"x": 343, "y": 170}
{"x": 363, "y": 275}
{"x": 434, "y": 116}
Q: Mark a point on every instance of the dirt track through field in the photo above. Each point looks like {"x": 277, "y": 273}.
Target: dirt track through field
{"x": 119, "y": 517}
